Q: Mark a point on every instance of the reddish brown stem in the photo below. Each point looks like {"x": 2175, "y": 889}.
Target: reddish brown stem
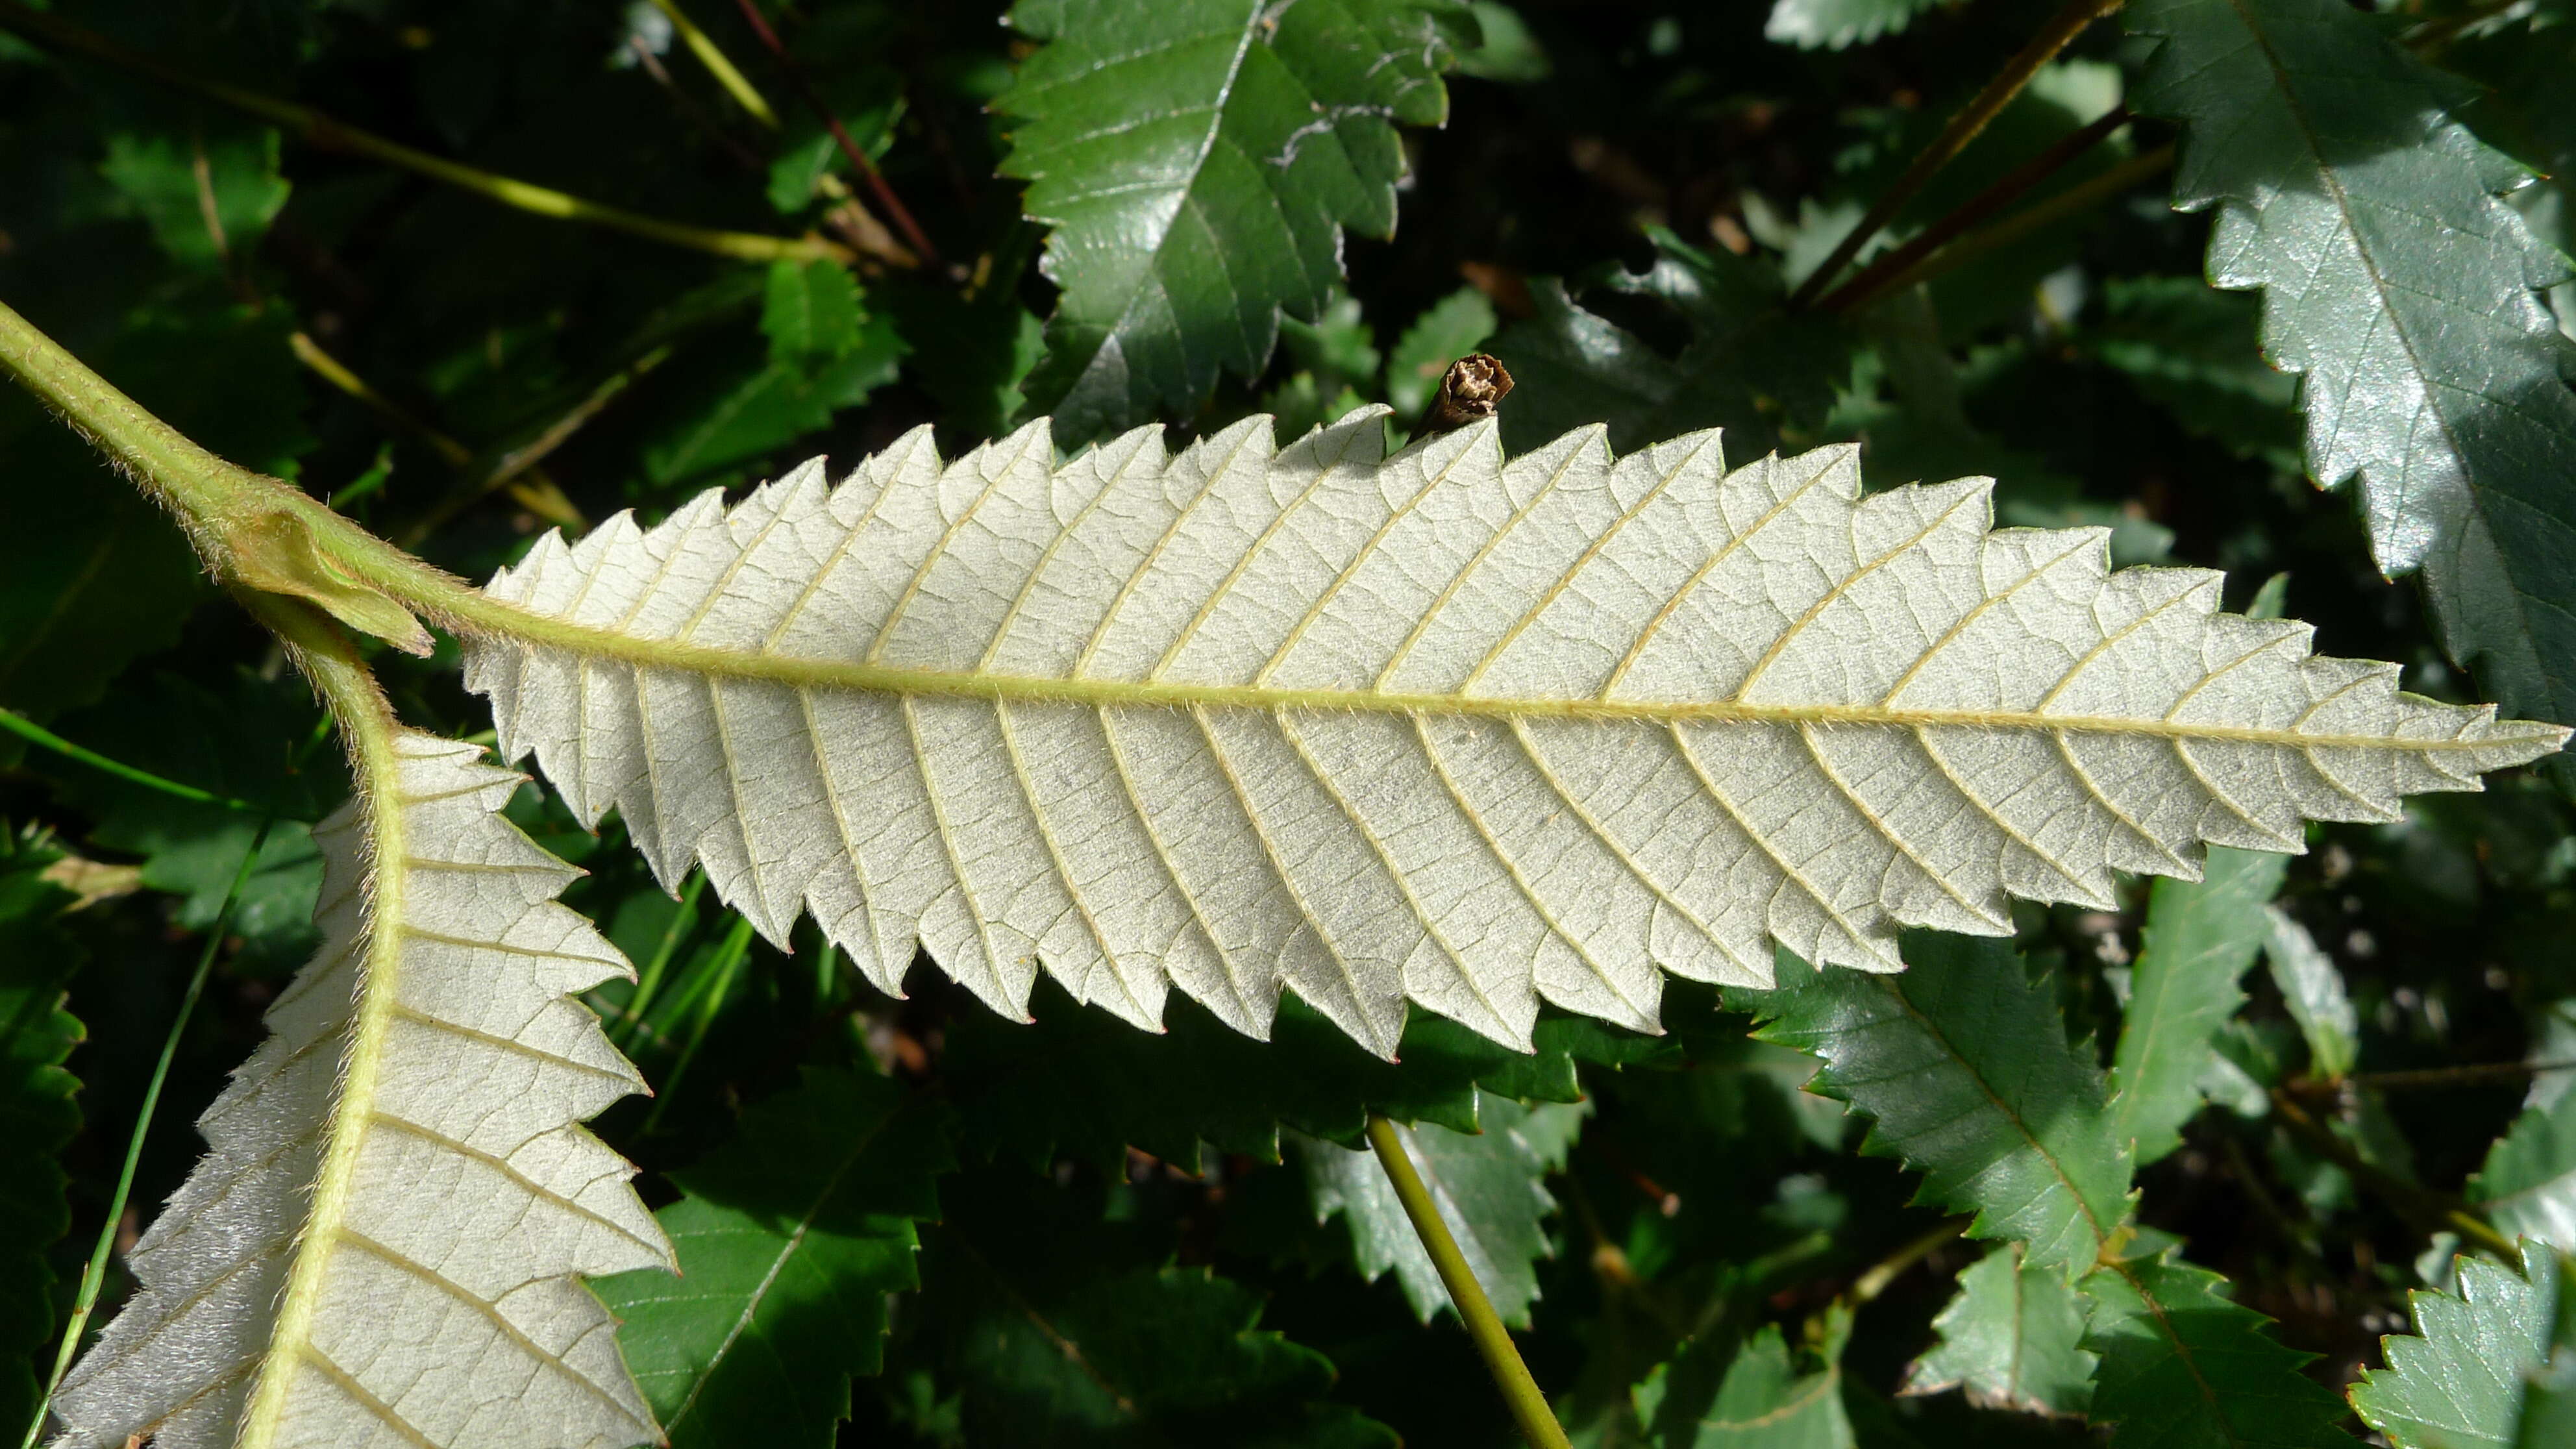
{"x": 900, "y": 214}
{"x": 2008, "y": 189}
{"x": 2053, "y": 37}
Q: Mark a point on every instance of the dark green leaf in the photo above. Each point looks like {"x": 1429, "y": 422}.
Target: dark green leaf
{"x": 1082, "y": 1084}
{"x": 972, "y": 350}
{"x": 1763, "y": 1403}
{"x": 1966, "y": 1067}
{"x": 769, "y": 407}
{"x": 1165, "y": 1356}
{"x": 1814, "y": 24}
{"x": 2012, "y": 1339}
{"x": 1748, "y": 365}
{"x": 2197, "y": 351}
{"x": 2458, "y": 1380}
{"x": 2200, "y": 937}
{"x": 1490, "y": 1186}
{"x": 2182, "y": 1367}
{"x": 811, "y": 313}
{"x": 37, "y": 1115}
{"x": 1198, "y": 161}
{"x": 790, "y": 1240}
{"x": 209, "y": 191}
{"x": 254, "y": 742}
{"x": 2402, "y": 288}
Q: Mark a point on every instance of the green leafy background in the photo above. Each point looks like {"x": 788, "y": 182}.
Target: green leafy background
{"x": 2275, "y": 1157}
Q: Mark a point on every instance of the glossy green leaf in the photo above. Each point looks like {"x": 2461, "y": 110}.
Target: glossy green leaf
{"x": 2182, "y": 1367}
{"x": 2401, "y": 288}
{"x": 2527, "y": 1186}
{"x": 2458, "y": 1380}
{"x": 37, "y": 1116}
{"x": 1965, "y": 1066}
{"x": 2012, "y": 1338}
{"x": 1198, "y": 162}
{"x": 2200, "y": 937}
{"x": 1490, "y": 1186}
{"x": 790, "y": 1239}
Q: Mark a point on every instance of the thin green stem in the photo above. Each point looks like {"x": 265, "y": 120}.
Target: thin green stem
{"x": 94, "y": 1275}
{"x": 1963, "y": 128}
{"x": 34, "y": 733}
{"x": 827, "y": 976}
{"x": 315, "y": 128}
{"x": 538, "y": 493}
{"x": 523, "y": 459}
{"x": 674, "y": 931}
{"x": 734, "y": 82}
{"x": 2468, "y": 1074}
{"x": 728, "y": 962}
{"x": 1887, "y": 1270}
{"x": 1520, "y": 1392}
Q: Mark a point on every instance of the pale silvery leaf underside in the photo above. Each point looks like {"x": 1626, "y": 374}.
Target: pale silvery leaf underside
{"x": 1440, "y": 727}
{"x": 379, "y": 1246}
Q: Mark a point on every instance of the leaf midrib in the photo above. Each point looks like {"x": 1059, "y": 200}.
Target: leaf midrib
{"x": 491, "y": 617}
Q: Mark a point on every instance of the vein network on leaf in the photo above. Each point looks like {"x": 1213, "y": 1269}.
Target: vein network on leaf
{"x": 1441, "y": 727}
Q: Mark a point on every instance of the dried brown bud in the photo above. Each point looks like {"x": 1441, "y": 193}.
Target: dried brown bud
{"x": 1477, "y": 384}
